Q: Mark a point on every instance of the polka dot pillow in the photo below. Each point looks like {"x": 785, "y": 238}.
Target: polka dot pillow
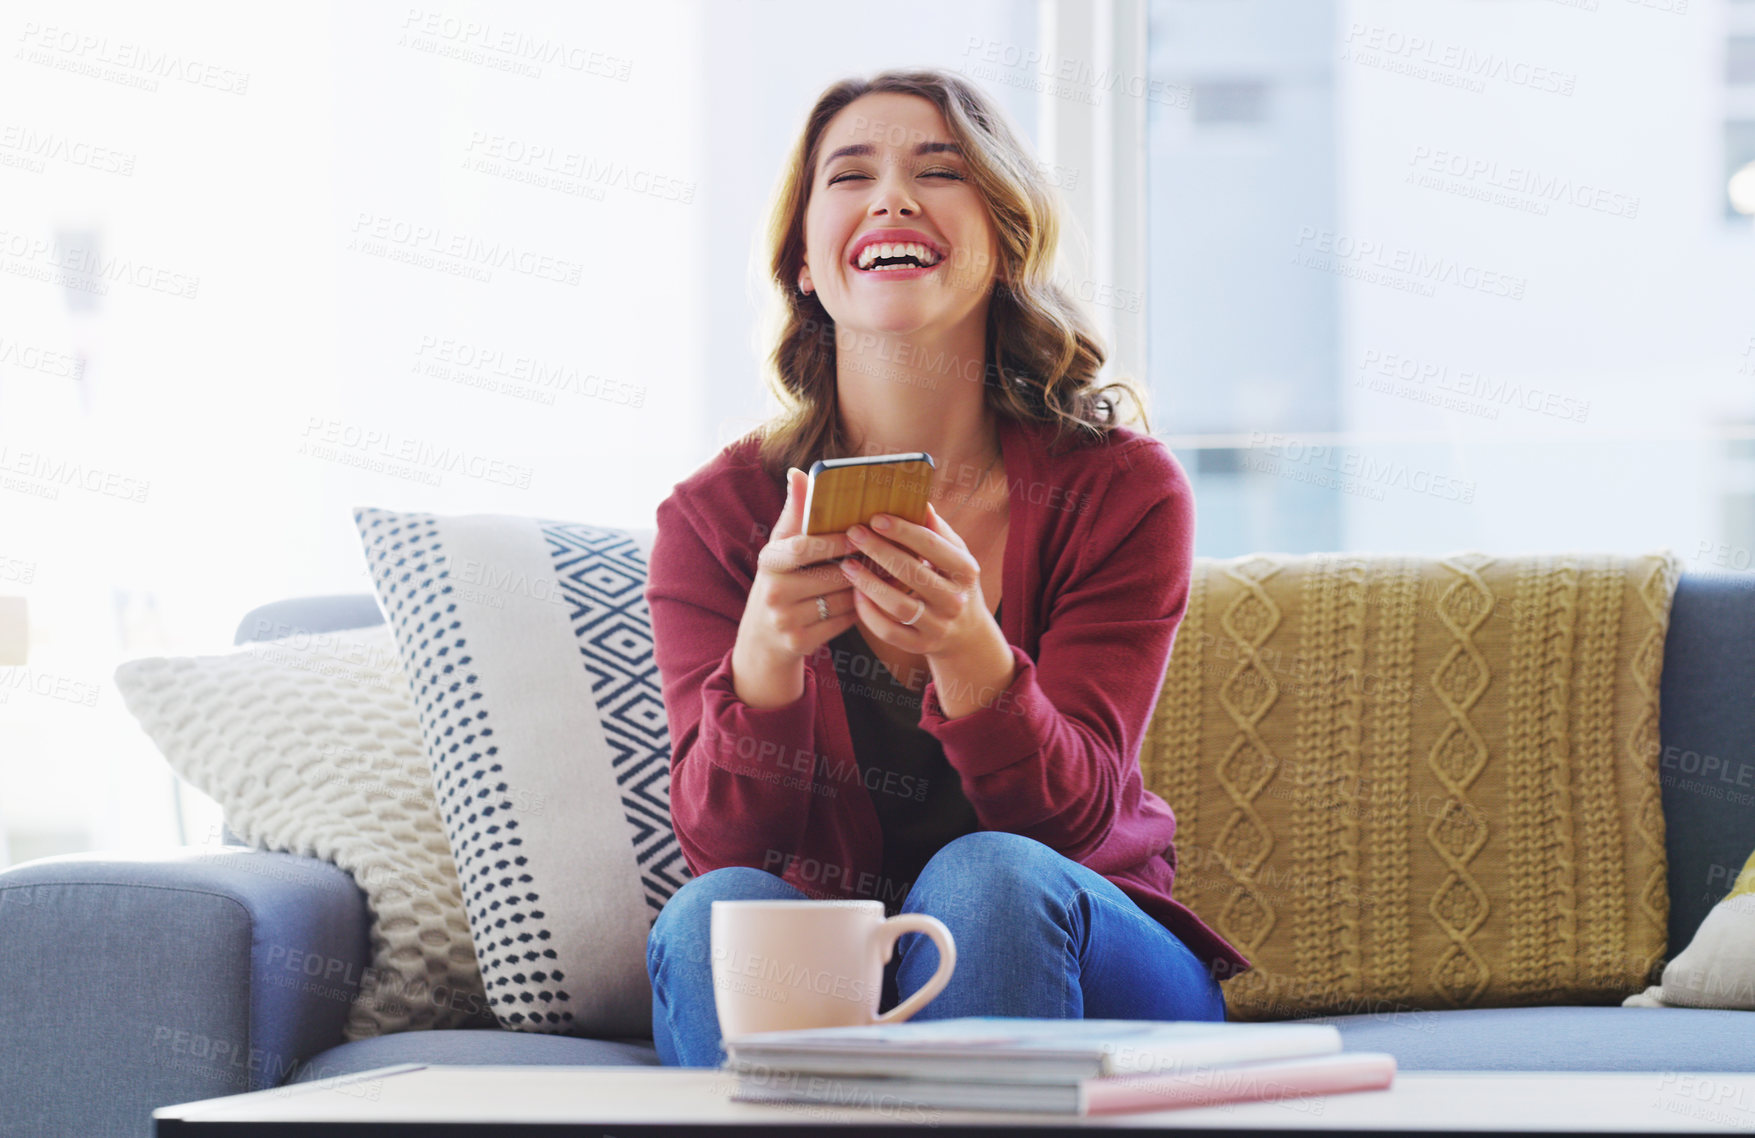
{"x": 528, "y": 647}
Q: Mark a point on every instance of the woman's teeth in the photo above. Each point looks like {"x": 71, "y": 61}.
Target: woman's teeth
{"x": 902, "y": 254}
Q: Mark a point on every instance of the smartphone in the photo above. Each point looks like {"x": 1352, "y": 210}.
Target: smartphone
{"x": 844, "y": 492}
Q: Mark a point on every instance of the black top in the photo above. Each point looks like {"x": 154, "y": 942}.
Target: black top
{"x": 918, "y": 795}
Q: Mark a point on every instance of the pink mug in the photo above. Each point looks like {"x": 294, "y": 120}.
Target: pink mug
{"x": 783, "y": 965}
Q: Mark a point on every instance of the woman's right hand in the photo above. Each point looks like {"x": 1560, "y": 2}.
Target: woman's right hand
{"x": 781, "y": 622}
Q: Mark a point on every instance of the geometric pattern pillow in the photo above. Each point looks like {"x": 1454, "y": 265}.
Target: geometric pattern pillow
{"x": 528, "y": 649}
{"x": 311, "y": 746}
{"x": 1717, "y": 969}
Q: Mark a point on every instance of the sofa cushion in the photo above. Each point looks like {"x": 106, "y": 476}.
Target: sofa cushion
{"x": 1707, "y": 765}
{"x": 490, "y": 1048}
{"x": 1556, "y": 1039}
{"x": 310, "y": 744}
{"x": 529, "y": 647}
{"x": 296, "y": 616}
{"x": 1431, "y": 780}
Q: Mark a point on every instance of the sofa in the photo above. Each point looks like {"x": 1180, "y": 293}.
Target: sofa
{"x": 132, "y": 983}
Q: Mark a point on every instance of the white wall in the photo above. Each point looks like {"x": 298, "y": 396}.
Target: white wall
{"x": 317, "y": 127}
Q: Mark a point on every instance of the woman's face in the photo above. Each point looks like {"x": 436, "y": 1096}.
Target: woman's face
{"x": 887, "y": 163}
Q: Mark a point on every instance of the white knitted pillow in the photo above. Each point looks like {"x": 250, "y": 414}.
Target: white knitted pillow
{"x": 1717, "y": 969}
{"x": 312, "y": 747}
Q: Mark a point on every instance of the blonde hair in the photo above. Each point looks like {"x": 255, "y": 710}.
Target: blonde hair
{"x": 1043, "y": 352}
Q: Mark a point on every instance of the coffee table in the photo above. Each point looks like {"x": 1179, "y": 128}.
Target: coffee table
{"x": 622, "y": 1101}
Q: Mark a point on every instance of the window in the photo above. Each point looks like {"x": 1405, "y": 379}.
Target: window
{"x": 1740, "y": 61}
{"x": 1222, "y": 101}
{"x": 1451, "y": 289}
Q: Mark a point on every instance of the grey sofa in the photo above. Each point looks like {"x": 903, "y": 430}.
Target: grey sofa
{"x": 128, "y": 984}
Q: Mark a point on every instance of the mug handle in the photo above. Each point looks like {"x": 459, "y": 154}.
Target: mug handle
{"x": 892, "y": 929}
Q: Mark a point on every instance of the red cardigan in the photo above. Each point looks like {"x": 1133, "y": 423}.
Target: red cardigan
{"x": 1098, "y": 558}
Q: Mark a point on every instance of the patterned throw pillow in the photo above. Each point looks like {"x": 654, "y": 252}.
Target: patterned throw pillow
{"x": 528, "y": 647}
{"x": 311, "y": 746}
{"x": 1717, "y": 969}
{"x": 1420, "y": 782}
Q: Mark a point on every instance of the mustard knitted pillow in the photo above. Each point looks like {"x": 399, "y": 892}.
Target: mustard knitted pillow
{"x": 1420, "y": 782}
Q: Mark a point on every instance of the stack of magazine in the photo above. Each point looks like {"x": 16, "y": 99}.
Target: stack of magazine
{"x": 1091, "y": 1066}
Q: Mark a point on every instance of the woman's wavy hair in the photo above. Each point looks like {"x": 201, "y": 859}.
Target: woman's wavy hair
{"x": 1043, "y": 351}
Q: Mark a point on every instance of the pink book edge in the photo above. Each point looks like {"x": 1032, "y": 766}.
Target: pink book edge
{"x": 1253, "y": 1082}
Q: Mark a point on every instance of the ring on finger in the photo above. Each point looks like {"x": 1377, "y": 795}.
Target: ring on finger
{"x": 822, "y": 608}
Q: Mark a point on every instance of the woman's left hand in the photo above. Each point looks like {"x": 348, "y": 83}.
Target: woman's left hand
{"x": 935, "y": 576}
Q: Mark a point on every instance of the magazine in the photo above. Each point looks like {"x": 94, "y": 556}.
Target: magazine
{"x": 1003, "y": 1049}
{"x": 1195, "y": 1086}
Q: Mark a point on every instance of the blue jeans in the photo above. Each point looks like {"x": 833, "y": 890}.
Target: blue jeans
{"x": 1037, "y": 935}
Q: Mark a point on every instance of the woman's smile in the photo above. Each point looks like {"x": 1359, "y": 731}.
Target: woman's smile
{"x": 899, "y": 254}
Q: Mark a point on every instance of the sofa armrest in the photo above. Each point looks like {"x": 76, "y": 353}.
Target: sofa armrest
{"x": 129, "y": 983}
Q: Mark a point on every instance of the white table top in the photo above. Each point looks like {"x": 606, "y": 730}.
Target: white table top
{"x": 1558, "y": 1101}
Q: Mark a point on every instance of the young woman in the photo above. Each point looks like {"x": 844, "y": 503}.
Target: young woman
{"x": 852, "y": 715}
